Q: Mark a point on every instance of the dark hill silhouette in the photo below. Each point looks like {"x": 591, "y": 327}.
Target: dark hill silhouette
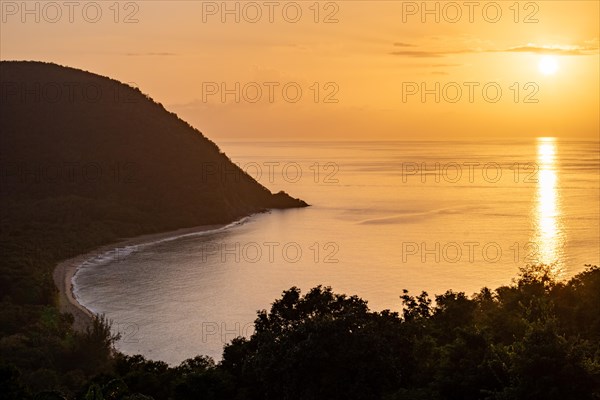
{"x": 76, "y": 145}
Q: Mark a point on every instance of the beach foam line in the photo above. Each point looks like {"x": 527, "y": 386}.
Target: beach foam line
{"x": 192, "y": 234}
{"x": 108, "y": 256}
{"x": 114, "y": 253}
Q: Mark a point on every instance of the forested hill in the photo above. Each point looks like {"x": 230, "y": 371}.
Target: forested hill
{"x": 73, "y": 136}
{"x": 86, "y": 160}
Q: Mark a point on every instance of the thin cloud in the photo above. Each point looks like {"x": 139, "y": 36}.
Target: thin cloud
{"x": 150, "y": 54}
{"x": 589, "y": 49}
{"x": 445, "y": 65}
{"x": 556, "y": 50}
{"x": 428, "y": 54}
{"x": 418, "y": 54}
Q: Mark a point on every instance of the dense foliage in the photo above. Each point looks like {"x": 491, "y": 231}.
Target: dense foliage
{"x": 534, "y": 339}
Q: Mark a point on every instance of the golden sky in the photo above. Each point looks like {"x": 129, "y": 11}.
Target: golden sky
{"x": 361, "y": 66}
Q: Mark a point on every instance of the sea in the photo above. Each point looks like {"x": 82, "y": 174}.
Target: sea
{"x": 384, "y": 216}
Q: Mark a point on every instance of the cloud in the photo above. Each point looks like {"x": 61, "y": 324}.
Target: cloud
{"x": 428, "y": 54}
{"x": 418, "y": 54}
{"x": 555, "y": 49}
{"x": 445, "y": 65}
{"x": 400, "y": 44}
{"x": 590, "y": 48}
{"x": 150, "y": 54}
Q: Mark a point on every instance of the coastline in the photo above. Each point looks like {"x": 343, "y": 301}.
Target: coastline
{"x": 65, "y": 270}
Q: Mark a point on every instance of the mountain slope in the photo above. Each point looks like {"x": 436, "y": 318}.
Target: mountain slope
{"x": 86, "y": 160}
{"x": 67, "y": 132}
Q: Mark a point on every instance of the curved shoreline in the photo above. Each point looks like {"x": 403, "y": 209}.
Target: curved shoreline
{"x": 65, "y": 270}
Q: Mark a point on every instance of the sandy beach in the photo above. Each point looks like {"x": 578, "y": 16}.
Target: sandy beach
{"x": 65, "y": 270}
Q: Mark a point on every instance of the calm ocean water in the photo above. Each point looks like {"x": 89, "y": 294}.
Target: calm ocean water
{"x": 385, "y": 216}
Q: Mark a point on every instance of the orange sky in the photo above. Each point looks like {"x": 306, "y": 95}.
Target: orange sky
{"x": 370, "y": 63}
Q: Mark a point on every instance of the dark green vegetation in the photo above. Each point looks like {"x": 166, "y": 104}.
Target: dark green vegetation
{"x": 535, "y": 339}
{"x": 85, "y": 161}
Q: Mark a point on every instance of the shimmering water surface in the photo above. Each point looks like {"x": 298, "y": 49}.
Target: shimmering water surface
{"x": 385, "y": 216}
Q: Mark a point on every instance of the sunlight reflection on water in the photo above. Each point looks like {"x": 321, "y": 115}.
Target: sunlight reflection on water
{"x": 549, "y": 236}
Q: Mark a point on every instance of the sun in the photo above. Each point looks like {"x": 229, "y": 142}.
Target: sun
{"x": 548, "y": 65}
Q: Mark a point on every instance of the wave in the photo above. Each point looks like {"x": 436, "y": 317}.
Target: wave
{"x": 415, "y": 216}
